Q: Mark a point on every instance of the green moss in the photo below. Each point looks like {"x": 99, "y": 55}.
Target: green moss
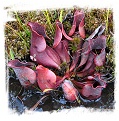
{"x": 17, "y": 34}
{"x": 73, "y": 45}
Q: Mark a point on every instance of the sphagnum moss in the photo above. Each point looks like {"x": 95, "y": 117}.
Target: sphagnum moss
{"x": 17, "y": 34}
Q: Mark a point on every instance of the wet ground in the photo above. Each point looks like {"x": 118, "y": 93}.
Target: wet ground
{"x": 21, "y": 99}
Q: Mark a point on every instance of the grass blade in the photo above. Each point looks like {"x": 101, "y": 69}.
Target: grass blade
{"x": 46, "y": 14}
{"x": 108, "y": 11}
{"x": 61, "y": 16}
{"x": 12, "y": 54}
{"x": 21, "y": 24}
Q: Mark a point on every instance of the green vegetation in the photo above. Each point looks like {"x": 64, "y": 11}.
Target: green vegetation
{"x": 17, "y": 34}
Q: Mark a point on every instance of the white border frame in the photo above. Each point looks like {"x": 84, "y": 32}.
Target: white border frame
{"x": 73, "y": 114}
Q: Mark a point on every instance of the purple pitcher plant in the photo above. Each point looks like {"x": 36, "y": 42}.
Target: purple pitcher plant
{"x": 89, "y": 54}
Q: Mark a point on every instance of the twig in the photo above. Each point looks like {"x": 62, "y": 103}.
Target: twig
{"x": 37, "y": 103}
